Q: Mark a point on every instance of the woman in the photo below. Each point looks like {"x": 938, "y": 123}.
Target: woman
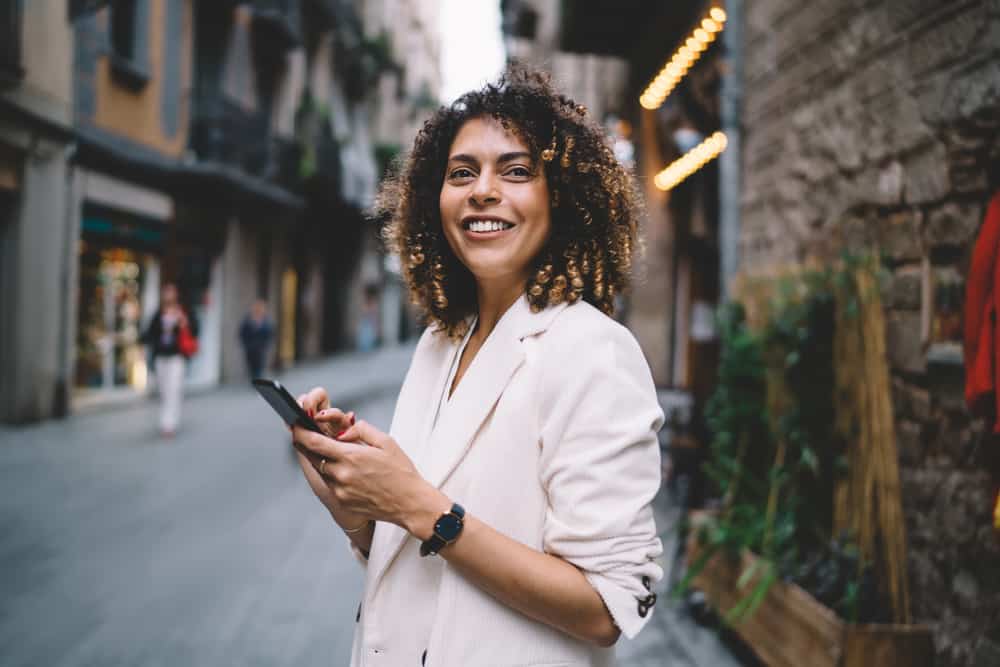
{"x": 505, "y": 519}
{"x": 163, "y": 334}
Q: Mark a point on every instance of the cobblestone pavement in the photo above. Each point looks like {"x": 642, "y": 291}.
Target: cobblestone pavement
{"x": 119, "y": 548}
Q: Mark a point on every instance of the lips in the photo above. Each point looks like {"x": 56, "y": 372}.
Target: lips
{"x": 486, "y": 225}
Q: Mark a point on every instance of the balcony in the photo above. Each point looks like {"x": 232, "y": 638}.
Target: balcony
{"x": 11, "y": 71}
{"x": 278, "y": 21}
{"x": 225, "y": 133}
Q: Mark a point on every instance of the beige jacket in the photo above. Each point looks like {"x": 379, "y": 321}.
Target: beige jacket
{"x": 553, "y": 431}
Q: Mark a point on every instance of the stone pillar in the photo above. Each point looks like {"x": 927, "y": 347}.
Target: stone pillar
{"x": 35, "y": 248}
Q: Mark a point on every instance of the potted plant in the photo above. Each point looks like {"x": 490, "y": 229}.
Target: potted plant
{"x": 806, "y": 557}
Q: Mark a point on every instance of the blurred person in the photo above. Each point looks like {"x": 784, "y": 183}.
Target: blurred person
{"x": 256, "y": 334}
{"x": 505, "y": 518}
{"x": 168, "y": 336}
{"x": 368, "y": 322}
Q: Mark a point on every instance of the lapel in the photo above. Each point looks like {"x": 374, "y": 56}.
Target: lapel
{"x": 471, "y": 403}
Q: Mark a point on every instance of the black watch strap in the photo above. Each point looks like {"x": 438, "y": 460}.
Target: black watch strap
{"x": 446, "y": 530}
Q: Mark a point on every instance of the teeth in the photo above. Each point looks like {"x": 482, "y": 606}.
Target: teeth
{"x": 488, "y": 226}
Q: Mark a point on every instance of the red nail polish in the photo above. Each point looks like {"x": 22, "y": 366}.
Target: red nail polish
{"x": 352, "y": 420}
{"x": 340, "y": 434}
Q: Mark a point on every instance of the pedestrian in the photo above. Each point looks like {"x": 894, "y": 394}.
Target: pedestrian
{"x": 172, "y": 336}
{"x": 505, "y": 519}
{"x": 256, "y": 334}
{"x": 368, "y": 321}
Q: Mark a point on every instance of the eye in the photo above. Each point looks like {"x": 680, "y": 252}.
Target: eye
{"x": 519, "y": 171}
{"x": 461, "y": 172}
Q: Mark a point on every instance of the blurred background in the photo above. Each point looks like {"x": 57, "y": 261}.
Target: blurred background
{"x": 233, "y": 147}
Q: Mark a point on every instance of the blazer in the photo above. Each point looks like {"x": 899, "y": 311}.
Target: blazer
{"x": 549, "y": 438}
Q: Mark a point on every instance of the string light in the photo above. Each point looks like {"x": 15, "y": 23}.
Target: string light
{"x": 677, "y": 171}
{"x": 683, "y": 59}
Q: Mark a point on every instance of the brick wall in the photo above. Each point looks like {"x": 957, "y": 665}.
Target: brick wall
{"x": 875, "y": 125}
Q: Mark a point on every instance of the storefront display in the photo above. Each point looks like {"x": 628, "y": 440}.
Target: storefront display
{"x": 118, "y": 263}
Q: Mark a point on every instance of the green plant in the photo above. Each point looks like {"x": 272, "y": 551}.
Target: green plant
{"x": 775, "y": 455}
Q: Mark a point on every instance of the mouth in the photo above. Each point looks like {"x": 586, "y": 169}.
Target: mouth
{"x": 485, "y": 226}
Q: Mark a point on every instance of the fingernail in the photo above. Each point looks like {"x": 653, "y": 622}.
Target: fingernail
{"x": 341, "y": 433}
{"x": 352, "y": 419}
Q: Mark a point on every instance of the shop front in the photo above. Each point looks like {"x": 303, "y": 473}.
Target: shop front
{"x": 120, "y": 255}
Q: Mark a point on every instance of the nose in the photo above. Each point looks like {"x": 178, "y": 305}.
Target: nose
{"x": 484, "y": 191}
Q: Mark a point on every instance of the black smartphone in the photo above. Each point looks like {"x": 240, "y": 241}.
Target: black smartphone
{"x": 285, "y": 404}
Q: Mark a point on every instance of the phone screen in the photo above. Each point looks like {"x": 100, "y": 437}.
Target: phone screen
{"x": 285, "y": 404}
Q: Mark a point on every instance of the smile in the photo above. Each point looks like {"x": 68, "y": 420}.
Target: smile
{"x": 485, "y": 226}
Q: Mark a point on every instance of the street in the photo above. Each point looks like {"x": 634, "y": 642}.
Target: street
{"x": 120, "y": 548}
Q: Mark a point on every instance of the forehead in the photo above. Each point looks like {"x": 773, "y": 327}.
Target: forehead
{"x": 484, "y": 137}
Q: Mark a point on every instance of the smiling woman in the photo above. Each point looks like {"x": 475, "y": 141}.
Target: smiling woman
{"x": 512, "y": 149}
{"x": 523, "y": 454}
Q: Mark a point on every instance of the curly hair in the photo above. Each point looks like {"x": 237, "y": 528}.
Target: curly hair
{"x": 594, "y": 205}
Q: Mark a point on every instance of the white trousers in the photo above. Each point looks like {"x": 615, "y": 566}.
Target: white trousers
{"x": 170, "y": 384}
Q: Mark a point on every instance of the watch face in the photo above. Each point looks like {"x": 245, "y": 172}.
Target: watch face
{"x": 448, "y": 527}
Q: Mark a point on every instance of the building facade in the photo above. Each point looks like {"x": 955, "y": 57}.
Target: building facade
{"x": 38, "y": 219}
{"x": 226, "y": 147}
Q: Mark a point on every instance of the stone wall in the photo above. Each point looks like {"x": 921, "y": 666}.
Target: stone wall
{"x": 874, "y": 124}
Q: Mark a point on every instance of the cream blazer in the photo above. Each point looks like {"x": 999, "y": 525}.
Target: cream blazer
{"x": 553, "y": 428}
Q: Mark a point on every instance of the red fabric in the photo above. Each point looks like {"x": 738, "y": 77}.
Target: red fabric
{"x": 982, "y": 305}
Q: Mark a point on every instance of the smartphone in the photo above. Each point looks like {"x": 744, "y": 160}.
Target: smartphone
{"x": 285, "y": 404}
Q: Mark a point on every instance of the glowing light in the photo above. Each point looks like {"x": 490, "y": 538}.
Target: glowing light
{"x": 683, "y": 59}
{"x": 696, "y": 158}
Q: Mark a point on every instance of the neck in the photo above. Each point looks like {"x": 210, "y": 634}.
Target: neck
{"x": 494, "y": 299}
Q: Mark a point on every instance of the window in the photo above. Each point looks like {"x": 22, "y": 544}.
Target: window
{"x": 10, "y": 43}
{"x": 123, "y": 29}
{"x": 129, "y": 22}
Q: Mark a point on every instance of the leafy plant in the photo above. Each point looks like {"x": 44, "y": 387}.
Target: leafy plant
{"x": 776, "y": 456}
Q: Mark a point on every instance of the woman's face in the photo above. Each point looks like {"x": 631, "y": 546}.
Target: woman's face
{"x": 494, "y": 202}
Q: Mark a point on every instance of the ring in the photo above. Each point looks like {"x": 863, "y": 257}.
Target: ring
{"x": 321, "y": 464}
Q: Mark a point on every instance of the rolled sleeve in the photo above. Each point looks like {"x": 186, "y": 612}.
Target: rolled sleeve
{"x": 600, "y": 466}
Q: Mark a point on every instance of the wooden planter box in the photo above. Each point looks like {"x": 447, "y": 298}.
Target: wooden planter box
{"x": 791, "y": 628}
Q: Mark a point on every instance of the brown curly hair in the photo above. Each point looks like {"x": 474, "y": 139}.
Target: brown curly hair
{"x": 588, "y": 254}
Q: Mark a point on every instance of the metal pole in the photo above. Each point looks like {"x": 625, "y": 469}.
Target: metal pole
{"x": 730, "y": 160}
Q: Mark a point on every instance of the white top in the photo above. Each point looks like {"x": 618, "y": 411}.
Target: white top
{"x": 550, "y": 438}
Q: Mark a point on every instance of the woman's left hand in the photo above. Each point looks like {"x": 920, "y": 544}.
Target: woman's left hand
{"x": 373, "y": 477}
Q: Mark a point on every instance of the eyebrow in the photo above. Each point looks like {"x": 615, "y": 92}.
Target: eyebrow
{"x": 504, "y": 157}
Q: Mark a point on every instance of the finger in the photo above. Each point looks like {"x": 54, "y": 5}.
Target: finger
{"x": 323, "y": 446}
{"x": 331, "y": 414}
{"x": 309, "y": 469}
{"x": 366, "y": 433}
{"x": 314, "y": 400}
{"x": 335, "y": 418}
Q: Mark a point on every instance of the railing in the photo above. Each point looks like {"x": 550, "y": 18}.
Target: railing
{"x": 11, "y": 71}
{"x": 222, "y": 131}
{"x": 281, "y": 19}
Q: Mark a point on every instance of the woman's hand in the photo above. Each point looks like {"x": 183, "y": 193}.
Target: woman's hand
{"x": 368, "y": 475}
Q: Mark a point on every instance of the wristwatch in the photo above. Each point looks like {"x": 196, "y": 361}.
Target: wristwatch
{"x": 446, "y": 530}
